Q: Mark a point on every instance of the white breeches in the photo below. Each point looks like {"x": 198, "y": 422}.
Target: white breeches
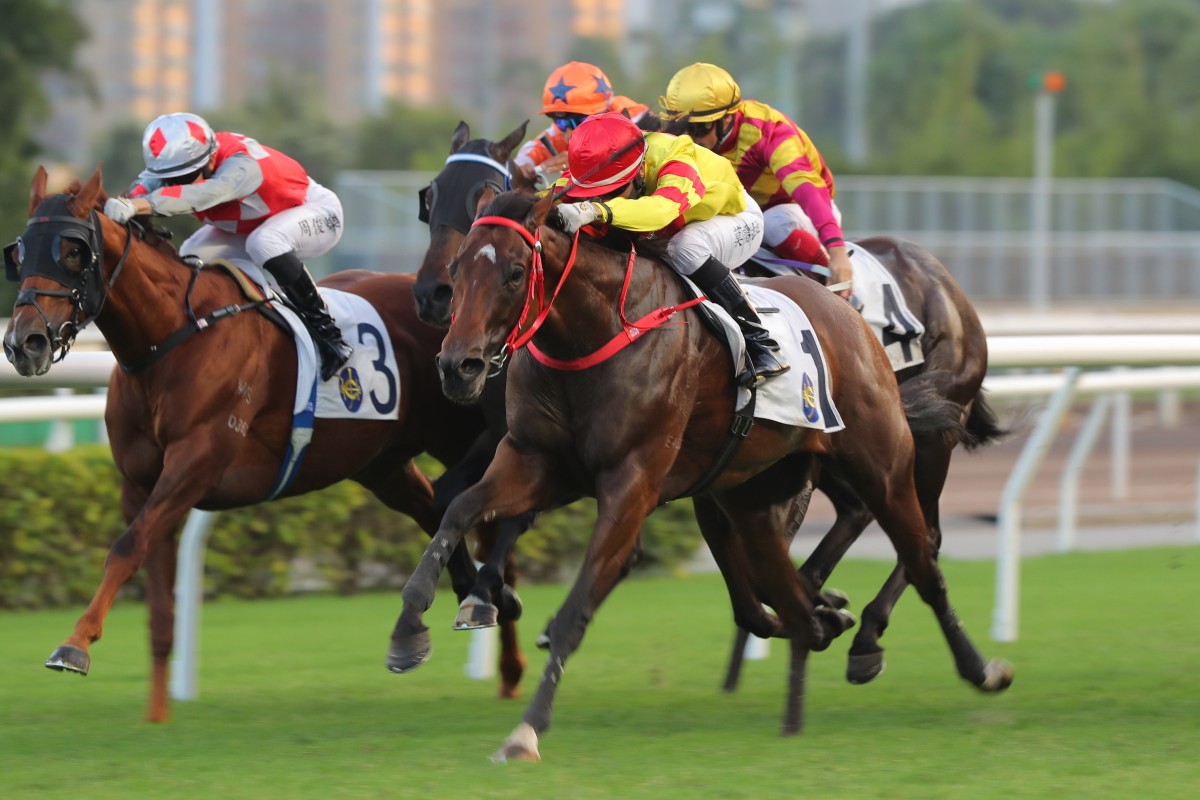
{"x": 309, "y": 230}
{"x": 779, "y": 222}
{"x": 731, "y": 239}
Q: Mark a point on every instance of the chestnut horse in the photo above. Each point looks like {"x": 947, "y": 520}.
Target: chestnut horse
{"x": 643, "y": 427}
{"x": 169, "y": 424}
{"x": 954, "y": 346}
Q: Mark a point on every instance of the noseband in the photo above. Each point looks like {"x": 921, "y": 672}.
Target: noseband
{"x": 38, "y": 253}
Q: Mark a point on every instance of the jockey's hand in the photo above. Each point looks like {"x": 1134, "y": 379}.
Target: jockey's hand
{"x": 120, "y": 209}
{"x": 575, "y": 215}
{"x": 840, "y": 270}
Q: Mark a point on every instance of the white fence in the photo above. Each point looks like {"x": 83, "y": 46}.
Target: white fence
{"x": 86, "y": 369}
{"x": 1113, "y": 240}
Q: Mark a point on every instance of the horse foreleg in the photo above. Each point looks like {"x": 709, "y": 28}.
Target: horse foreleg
{"x": 624, "y": 499}
{"x": 185, "y": 479}
{"x": 513, "y": 484}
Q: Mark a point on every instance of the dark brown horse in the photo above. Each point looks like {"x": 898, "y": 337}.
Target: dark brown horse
{"x": 954, "y": 345}
{"x": 207, "y": 426}
{"x": 644, "y": 426}
{"x": 955, "y": 362}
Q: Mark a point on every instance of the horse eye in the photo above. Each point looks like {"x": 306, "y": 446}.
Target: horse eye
{"x": 452, "y": 270}
{"x": 515, "y": 276}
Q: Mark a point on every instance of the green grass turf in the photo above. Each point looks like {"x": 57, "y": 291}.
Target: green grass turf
{"x": 295, "y": 702}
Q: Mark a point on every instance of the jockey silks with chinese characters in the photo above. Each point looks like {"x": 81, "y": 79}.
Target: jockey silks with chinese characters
{"x": 666, "y": 186}
{"x": 775, "y": 160}
{"x": 257, "y": 203}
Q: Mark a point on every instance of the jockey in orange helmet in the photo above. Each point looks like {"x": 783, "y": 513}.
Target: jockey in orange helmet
{"x": 257, "y": 203}
{"x": 775, "y": 160}
{"x": 573, "y": 91}
{"x": 662, "y": 185}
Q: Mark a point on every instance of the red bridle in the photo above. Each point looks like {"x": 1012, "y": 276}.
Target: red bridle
{"x": 630, "y": 331}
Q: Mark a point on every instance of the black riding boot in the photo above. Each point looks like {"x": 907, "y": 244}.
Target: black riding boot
{"x": 300, "y": 288}
{"x": 715, "y": 280}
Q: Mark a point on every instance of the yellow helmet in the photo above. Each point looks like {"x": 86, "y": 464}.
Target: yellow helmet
{"x": 701, "y": 93}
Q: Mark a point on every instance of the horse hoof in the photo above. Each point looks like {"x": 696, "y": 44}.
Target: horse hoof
{"x": 864, "y": 668}
{"x": 510, "y": 605}
{"x": 475, "y": 613}
{"x": 68, "y": 658}
{"x": 522, "y": 745}
{"x": 408, "y": 653}
{"x": 833, "y": 623}
{"x": 833, "y": 598}
{"x": 997, "y": 676}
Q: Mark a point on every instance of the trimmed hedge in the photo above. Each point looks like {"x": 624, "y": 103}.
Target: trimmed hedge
{"x": 59, "y": 513}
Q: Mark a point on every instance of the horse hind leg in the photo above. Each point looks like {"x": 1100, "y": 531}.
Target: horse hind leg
{"x": 160, "y": 599}
{"x": 899, "y": 514}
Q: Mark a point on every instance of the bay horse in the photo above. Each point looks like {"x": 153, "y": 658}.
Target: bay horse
{"x": 171, "y": 425}
{"x": 643, "y": 427}
{"x": 955, "y": 363}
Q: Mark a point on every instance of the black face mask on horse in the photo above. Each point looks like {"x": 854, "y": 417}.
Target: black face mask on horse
{"x": 38, "y": 252}
{"x": 475, "y": 173}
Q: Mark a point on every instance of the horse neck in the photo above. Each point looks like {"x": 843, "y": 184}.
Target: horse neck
{"x": 146, "y": 302}
{"x": 587, "y": 312}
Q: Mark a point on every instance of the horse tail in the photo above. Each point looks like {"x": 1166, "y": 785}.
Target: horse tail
{"x": 982, "y": 426}
{"x": 929, "y": 412}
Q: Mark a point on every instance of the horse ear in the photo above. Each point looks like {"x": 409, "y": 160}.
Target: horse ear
{"x": 461, "y": 135}
{"x": 517, "y": 179}
{"x": 89, "y": 194}
{"x": 37, "y": 190}
{"x": 541, "y": 210}
{"x": 503, "y": 148}
{"x": 485, "y": 197}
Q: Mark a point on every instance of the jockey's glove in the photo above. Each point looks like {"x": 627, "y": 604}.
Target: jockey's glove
{"x": 575, "y": 215}
{"x": 119, "y": 209}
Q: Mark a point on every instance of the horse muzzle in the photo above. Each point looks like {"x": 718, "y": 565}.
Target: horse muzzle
{"x": 31, "y": 354}
{"x": 462, "y": 378}
{"x": 433, "y": 303}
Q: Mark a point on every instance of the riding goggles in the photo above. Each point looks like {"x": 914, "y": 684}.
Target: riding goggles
{"x": 567, "y": 122}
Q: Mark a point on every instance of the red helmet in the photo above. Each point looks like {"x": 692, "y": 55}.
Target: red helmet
{"x": 605, "y": 153}
{"x": 576, "y": 88}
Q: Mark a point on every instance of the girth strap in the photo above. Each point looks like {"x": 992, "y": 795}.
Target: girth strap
{"x": 743, "y": 422}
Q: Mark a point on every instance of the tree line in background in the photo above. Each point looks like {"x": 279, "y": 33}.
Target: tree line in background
{"x": 949, "y": 93}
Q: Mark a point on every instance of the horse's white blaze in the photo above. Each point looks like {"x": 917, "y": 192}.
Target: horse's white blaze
{"x": 489, "y": 252}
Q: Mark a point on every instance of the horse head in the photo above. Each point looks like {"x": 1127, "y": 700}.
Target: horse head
{"x": 498, "y": 291}
{"x": 60, "y": 265}
{"x": 474, "y": 174}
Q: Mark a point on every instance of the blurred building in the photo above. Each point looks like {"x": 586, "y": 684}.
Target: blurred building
{"x": 147, "y": 57}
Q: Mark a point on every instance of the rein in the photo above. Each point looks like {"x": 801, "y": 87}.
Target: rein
{"x": 193, "y": 326}
{"x": 516, "y": 339}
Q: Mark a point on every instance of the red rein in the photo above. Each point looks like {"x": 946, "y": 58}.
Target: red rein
{"x": 630, "y": 331}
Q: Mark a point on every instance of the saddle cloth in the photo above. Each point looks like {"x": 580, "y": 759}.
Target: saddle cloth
{"x": 368, "y": 385}
{"x": 884, "y": 309}
{"x": 799, "y": 397}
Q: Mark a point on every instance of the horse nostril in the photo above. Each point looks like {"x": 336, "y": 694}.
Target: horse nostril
{"x": 470, "y": 368}
{"x": 442, "y": 293}
{"x": 35, "y": 344}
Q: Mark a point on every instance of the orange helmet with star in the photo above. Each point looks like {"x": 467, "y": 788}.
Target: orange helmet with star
{"x": 576, "y": 88}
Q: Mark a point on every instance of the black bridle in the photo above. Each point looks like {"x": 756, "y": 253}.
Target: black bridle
{"x": 38, "y": 252}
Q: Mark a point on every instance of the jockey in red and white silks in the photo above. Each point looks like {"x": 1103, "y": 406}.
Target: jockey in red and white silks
{"x": 257, "y": 204}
